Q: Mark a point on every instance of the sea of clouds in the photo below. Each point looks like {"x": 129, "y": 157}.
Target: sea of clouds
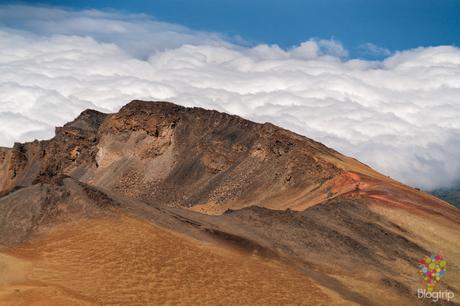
{"x": 400, "y": 115}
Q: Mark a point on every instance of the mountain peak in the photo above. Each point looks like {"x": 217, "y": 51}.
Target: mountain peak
{"x": 240, "y": 186}
{"x": 150, "y": 106}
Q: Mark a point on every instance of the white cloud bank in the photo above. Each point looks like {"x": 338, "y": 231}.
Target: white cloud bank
{"x": 400, "y": 115}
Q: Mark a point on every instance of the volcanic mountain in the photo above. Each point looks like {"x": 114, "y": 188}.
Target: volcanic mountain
{"x": 162, "y": 204}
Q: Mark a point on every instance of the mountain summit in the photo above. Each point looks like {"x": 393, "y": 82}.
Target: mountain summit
{"x": 186, "y": 205}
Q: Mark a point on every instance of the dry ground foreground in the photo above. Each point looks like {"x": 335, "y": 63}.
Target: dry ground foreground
{"x": 160, "y": 204}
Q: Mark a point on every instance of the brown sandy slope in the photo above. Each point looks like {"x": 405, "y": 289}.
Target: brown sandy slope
{"x": 125, "y": 261}
{"x": 236, "y": 213}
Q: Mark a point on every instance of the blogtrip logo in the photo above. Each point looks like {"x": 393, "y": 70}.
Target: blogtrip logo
{"x": 432, "y": 269}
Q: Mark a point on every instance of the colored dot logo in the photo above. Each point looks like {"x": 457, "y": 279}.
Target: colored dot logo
{"x": 432, "y": 269}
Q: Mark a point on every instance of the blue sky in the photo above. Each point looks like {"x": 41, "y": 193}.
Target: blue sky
{"x": 390, "y": 24}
